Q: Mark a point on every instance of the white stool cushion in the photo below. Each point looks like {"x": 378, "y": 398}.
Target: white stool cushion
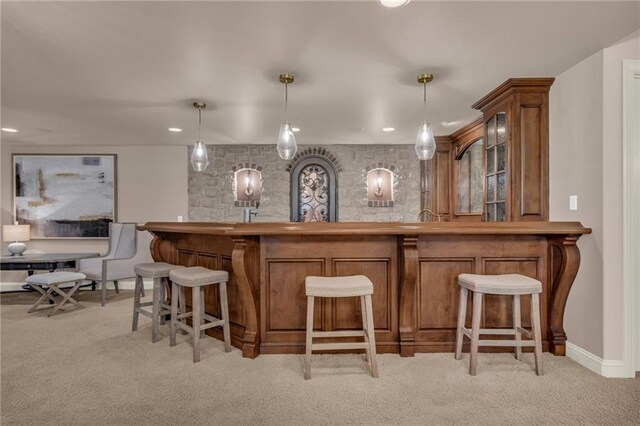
{"x": 155, "y": 269}
{"x": 55, "y": 278}
{"x": 500, "y": 284}
{"x": 197, "y": 275}
{"x": 355, "y": 285}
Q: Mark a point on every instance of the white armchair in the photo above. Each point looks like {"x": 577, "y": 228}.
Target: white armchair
{"x": 127, "y": 247}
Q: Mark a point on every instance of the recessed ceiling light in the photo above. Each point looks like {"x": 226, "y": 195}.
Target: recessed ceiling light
{"x": 175, "y": 129}
{"x": 295, "y": 129}
{"x": 388, "y": 129}
{"x": 393, "y": 3}
{"x": 9, "y": 130}
{"x": 449, "y": 123}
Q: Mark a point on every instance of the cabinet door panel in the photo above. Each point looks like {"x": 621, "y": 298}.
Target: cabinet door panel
{"x": 498, "y": 310}
{"x": 286, "y": 299}
{"x": 347, "y": 313}
{"x": 439, "y": 293}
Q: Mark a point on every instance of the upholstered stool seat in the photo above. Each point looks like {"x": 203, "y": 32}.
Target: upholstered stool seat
{"x": 350, "y": 286}
{"x": 53, "y": 281}
{"x": 159, "y": 272}
{"x": 508, "y": 284}
{"x": 197, "y": 278}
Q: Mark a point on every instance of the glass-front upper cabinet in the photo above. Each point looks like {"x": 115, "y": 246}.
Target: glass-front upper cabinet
{"x": 470, "y": 180}
{"x": 496, "y": 168}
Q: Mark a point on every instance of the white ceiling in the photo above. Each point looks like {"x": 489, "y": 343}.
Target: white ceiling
{"x": 121, "y": 73}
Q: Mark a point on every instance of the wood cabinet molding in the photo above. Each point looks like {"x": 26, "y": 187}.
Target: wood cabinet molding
{"x": 511, "y": 87}
{"x": 467, "y": 136}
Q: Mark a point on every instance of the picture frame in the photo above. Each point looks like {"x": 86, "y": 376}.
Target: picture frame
{"x": 65, "y": 196}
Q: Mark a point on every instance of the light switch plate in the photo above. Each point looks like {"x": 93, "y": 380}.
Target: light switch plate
{"x": 179, "y": 218}
{"x": 573, "y": 202}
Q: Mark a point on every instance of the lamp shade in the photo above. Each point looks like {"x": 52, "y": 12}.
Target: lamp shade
{"x": 286, "y": 142}
{"x": 15, "y": 232}
{"x": 425, "y": 142}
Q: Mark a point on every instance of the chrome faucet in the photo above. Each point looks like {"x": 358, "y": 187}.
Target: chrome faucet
{"x": 431, "y": 214}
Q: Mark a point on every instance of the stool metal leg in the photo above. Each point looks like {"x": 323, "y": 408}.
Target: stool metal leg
{"x": 535, "y": 325}
{"x": 155, "y": 309}
{"x": 371, "y": 333}
{"x": 196, "y": 319}
{"x": 174, "y": 313}
{"x": 363, "y": 309}
{"x": 475, "y": 331}
{"x": 517, "y": 322}
{"x": 224, "y": 309}
{"x": 307, "y": 357}
{"x": 136, "y": 303}
{"x": 462, "y": 314}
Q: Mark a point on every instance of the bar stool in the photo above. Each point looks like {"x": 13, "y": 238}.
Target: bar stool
{"x": 197, "y": 277}
{"x": 54, "y": 293}
{"x": 508, "y": 284}
{"x": 351, "y": 286}
{"x": 159, "y": 272}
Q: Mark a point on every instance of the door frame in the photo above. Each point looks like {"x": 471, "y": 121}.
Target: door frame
{"x": 631, "y": 213}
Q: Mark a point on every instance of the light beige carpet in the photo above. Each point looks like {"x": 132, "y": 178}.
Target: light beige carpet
{"x": 87, "y": 367}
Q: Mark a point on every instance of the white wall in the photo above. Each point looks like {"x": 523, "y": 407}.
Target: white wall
{"x": 585, "y": 148}
{"x": 575, "y": 168}
{"x": 152, "y": 186}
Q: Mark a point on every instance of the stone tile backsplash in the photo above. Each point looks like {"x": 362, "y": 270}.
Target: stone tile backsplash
{"x": 211, "y": 192}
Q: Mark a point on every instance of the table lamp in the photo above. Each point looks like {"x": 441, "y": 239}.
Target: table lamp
{"x": 15, "y": 234}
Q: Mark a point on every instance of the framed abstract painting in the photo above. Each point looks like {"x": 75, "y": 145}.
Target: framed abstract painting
{"x": 65, "y": 196}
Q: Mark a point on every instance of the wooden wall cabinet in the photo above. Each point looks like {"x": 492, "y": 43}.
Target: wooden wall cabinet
{"x": 516, "y": 126}
{"x": 467, "y": 191}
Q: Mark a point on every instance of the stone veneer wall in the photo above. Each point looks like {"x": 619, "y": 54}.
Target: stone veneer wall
{"x": 211, "y": 192}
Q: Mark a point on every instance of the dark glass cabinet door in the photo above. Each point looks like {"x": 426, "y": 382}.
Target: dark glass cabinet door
{"x": 496, "y": 168}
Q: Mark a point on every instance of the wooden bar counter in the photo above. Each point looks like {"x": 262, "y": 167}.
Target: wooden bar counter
{"x": 413, "y": 266}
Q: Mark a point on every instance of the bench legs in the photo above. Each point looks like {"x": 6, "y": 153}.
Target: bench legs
{"x": 57, "y": 296}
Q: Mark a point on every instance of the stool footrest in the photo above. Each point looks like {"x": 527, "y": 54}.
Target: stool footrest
{"x": 345, "y": 333}
{"x": 498, "y": 331}
{"x": 149, "y": 314}
{"x": 336, "y": 346}
{"x": 506, "y": 343}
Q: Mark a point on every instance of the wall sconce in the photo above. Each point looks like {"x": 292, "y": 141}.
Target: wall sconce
{"x": 380, "y": 187}
{"x": 248, "y": 187}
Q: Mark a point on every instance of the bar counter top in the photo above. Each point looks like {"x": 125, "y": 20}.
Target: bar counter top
{"x": 414, "y": 268}
{"x": 370, "y": 228}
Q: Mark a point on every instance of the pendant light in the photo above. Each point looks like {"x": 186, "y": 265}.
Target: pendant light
{"x": 199, "y": 157}
{"x": 425, "y": 142}
{"x": 286, "y": 140}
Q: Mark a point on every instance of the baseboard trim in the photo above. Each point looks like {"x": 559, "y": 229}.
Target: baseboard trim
{"x": 126, "y": 284}
{"x": 604, "y": 367}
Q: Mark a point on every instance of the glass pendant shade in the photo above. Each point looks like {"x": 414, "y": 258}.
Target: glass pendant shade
{"x": 286, "y": 142}
{"x": 199, "y": 157}
{"x": 425, "y": 142}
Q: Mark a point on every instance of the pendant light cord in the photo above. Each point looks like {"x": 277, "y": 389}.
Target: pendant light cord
{"x": 199, "y": 123}
{"x": 286, "y": 100}
{"x": 425, "y": 101}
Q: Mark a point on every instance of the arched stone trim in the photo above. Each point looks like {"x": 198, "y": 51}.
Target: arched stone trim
{"x": 316, "y": 152}
{"x": 241, "y": 166}
{"x": 387, "y": 166}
